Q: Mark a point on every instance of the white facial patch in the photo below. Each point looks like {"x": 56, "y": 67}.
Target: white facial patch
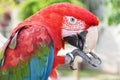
{"x": 72, "y": 26}
{"x": 69, "y": 33}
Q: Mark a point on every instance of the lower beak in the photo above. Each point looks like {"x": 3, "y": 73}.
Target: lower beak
{"x": 85, "y": 42}
{"x": 77, "y": 40}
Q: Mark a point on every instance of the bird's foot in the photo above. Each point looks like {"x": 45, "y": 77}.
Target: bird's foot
{"x": 94, "y": 60}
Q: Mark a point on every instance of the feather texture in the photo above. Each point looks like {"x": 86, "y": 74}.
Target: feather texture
{"x": 35, "y": 35}
{"x": 33, "y": 41}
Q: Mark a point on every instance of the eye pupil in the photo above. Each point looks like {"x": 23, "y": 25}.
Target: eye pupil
{"x": 72, "y": 19}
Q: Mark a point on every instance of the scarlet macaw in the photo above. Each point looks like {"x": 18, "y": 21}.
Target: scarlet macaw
{"x": 30, "y": 52}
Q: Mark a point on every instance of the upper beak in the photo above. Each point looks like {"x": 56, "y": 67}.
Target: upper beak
{"x": 77, "y": 40}
{"x": 85, "y": 42}
{"x": 91, "y": 38}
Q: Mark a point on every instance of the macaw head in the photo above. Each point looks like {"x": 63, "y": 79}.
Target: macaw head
{"x": 71, "y": 23}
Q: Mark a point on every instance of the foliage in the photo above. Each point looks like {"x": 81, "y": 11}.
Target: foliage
{"x": 113, "y": 12}
{"x": 30, "y": 7}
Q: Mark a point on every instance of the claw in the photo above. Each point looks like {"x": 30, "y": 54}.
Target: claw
{"x": 69, "y": 59}
{"x": 77, "y": 52}
{"x": 96, "y": 57}
{"x": 87, "y": 58}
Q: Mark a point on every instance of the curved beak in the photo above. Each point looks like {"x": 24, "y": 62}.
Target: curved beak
{"x": 91, "y": 39}
{"x": 85, "y": 42}
{"x": 77, "y": 40}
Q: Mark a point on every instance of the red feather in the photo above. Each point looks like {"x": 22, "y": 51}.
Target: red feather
{"x": 51, "y": 18}
{"x": 28, "y": 41}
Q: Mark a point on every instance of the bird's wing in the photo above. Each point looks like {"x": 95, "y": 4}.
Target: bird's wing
{"x": 29, "y": 47}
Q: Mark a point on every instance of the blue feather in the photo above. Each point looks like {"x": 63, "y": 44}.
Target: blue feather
{"x": 38, "y": 70}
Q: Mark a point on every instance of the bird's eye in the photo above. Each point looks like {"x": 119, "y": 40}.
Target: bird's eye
{"x": 72, "y": 20}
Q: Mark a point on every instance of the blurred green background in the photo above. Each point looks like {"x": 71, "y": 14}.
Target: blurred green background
{"x": 12, "y": 12}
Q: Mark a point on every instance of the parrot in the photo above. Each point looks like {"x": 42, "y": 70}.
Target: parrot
{"x": 31, "y": 51}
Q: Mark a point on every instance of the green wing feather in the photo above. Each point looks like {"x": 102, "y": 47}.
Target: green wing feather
{"x": 31, "y": 42}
